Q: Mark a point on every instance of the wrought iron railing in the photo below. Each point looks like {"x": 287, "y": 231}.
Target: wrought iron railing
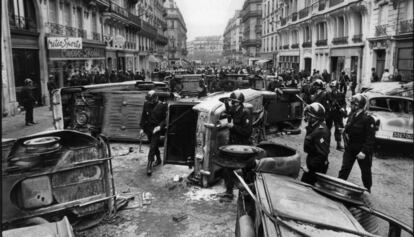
{"x": 294, "y": 46}
{"x": 340, "y": 40}
{"x": 381, "y": 30}
{"x": 22, "y": 23}
{"x": 357, "y": 38}
{"x": 322, "y": 42}
{"x": 405, "y": 27}
{"x": 304, "y": 12}
{"x": 307, "y": 44}
{"x": 70, "y": 31}
{"x": 82, "y": 33}
{"x": 286, "y": 46}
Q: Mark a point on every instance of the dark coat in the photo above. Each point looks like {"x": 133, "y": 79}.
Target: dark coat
{"x": 360, "y": 130}
{"x": 159, "y": 115}
{"x": 336, "y": 101}
{"x": 28, "y": 99}
{"x": 316, "y": 144}
{"x": 145, "y": 122}
{"x": 242, "y": 127}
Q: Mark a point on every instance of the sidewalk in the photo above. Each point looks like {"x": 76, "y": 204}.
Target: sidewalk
{"x": 14, "y": 126}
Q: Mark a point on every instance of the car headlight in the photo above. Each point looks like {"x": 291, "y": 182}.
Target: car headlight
{"x": 81, "y": 118}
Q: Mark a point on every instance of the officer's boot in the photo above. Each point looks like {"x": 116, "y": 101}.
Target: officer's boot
{"x": 339, "y": 146}
{"x": 149, "y": 168}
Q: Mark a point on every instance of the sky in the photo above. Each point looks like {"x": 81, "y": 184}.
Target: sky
{"x": 207, "y": 17}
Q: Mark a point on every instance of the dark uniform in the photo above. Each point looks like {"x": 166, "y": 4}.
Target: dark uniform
{"x": 360, "y": 130}
{"x": 145, "y": 122}
{"x": 316, "y": 144}
{"x": 343, "y": 83}
{"x": 353, "y": 83}
{"x": 320, "y": 97}
{"x": 157, "y": 118}
{"x": 28, "y": 102}
{"x": 334, "y": 116}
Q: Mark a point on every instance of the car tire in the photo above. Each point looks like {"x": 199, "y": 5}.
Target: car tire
{"x": 280, "y": 159}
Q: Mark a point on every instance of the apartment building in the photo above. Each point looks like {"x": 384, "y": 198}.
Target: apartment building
{"x": 251, "y": 16}
{"x": 232, "y": 38}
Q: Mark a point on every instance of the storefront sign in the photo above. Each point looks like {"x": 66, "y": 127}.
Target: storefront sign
{"x": 85, "y": 53}
{"x": 64, "y": 43}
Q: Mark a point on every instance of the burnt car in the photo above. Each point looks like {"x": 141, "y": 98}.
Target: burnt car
{"x": 113, "y": 109}
{"x": 188, "y": 84}
{"x": 56, "y": 173}
{"x": 196, "y": 130}
{"x": 393, "y": 116}
{"x": 275, "y": 203}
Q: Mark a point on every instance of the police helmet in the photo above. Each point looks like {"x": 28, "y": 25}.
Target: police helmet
{"x": 358, "y": 100}
{"x": 333, "y": 84}
{"x": 315, "y": 110}
{"x": 151, "y": 96}
{"x": 27, "y": 81}
{"x": 237, "y": 96}
{"x": 318, "y": 83}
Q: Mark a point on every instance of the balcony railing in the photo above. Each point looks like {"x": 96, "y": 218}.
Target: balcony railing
{"x": 322, "y": 5}
{"x": 82, "y": 33}
{"x": 130, "y": 45}
{"x": 307, "y": 44}
{"x": 250, "y": 13}
{"x": 70, "y": 31}
{"x": 405, "y": 27}
{"x": 286, "y": 46}
{"x": 22, "y": 23}
{"x": 294, "y": 16}
{"x": 340, "y": 40}
{"x": 334, "y": 2}
{"x": 294, "y": 46}
{"x": 322, "y": 42}
{"x": 251, "y": 42}
{"x": 357, "y": 38}
{"x": 119, "y": 10}
{"x": 304, "y": 12}
{"x": 282, "y": 21}
{"x": 381, "y": 30}
{"x": 96, "y": 36}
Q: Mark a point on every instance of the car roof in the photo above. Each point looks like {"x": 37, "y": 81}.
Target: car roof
{"x": 392, "y": 88}
{"x": 371, "y": 95}
{"x": 291, "y": 198}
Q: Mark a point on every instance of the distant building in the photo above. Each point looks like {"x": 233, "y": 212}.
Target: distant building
{"x": 232, "y": 39}
{"x": 177, "y": 34}
{"x": 208, "y": 49}
{"x": 251, "y": 16}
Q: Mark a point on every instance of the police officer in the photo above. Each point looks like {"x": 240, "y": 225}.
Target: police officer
{"x": 316, "y": 143}
{"x": 318, "y": 93}
{"x": 336, "y": 111}
{"x": 359, "y": 138}
{"x": 202, "y": 88}
{"x": 343, "y": 82}
{"x": 240, "y": 128}
{"x": 151, "y": 100}
{"x": 157, "y": 123}
{"x": 28, "y": 101}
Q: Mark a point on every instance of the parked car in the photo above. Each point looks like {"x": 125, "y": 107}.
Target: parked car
{"x": 394, "y": 88}
{"x": 56, "y": 173}
{"x": 393, "y": 116}
{"x": 275, "y": 203}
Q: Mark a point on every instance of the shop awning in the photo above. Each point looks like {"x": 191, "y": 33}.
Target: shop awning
{"x": 263, "y": 61}
{"x": 153, "y": 59}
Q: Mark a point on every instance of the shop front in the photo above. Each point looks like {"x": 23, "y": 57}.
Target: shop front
{"x": 405, "y": 59}
{"x": 345, "y": 59}
{"x": 76, "y": 65}
{"x": 288, "y": 61}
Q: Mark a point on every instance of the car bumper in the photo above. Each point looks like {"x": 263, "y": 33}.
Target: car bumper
{"x": 388, "y": 136}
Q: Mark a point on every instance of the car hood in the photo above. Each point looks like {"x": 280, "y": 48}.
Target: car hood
{"x": 396, "y": 122}
{"x": 290, "y": 198}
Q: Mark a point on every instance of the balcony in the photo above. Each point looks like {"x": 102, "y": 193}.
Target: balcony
{"x": 294, "y": 16}
{"x": 286, "y": 46}
{"x": 322, "y": 5}
{"x": 294, "y": 46}
{"x": 381, "y": 30}
{"x": 118, "y": 10}
{"x": 96, "y": 36}
{"x": 246, "y": 14}
{"x": 251, "y": 43}
{"x": 148, "y": 30}
{"x": 65, "y": 30}
{"x": 81, "y": 33}
{"x": 405, "y": 27}
{"x": 340, "y": 40}
{"x": 282, "y": 21}
{"x": 162, "y": 40}
{"x": 130, "y": 45}
{"x": 304, "y": 12}
{"x": 307, "y": 44}
{"x": 322, "y": 42}
{"x": 335, "y": 2}
{"x": 357, "y": 38}
{"x": 22, "y": 23}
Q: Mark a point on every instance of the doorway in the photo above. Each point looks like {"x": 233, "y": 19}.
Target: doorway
{"x": 337, "y": 65}
{"x": 26, "y": 65}
{"x": 380, "y": 61}
{"x": 308, "y": 65}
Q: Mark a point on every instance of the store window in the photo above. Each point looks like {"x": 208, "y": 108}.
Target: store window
{"x": 22, "y": 14}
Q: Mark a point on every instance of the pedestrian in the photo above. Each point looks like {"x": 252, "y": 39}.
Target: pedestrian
{"x": 326, "y": 76}
{"x": 354, "y": 81}
{"x": 374, "y": 75}
{"x": 51, "y": 85}
{"x": 316, "y": 144}
{"x": 151, "y": 100}
{"x": 28, "y": 101}
{"x": 336, "y": 111}
{"x": 343, "y": 82}
{"x": 157, "y": 123}
{"x": 359, "y": 139}
{"x": 386, "y": 75}
{"x": 202, "y": 88}
{"x": 240, "y": 127}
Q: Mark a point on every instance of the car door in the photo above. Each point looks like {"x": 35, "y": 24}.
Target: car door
{"x": 180, "y": 138}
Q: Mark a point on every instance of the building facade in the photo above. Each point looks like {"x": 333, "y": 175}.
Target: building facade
{"x": 207, "y": 49}
{"x": 251, "y": 16}
{"x": 176, "y": 33}
{"x": 232, "y": 38}
{"x": 268, "y": 50}
{"x": 104, "y": 35}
